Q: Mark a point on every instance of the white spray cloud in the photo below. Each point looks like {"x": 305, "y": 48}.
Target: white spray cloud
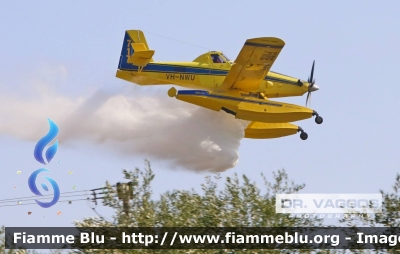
{"x": 147, "y": 123}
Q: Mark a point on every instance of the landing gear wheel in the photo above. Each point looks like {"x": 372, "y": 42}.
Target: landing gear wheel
{"x": 319, "y": 120}
{"x": 303, "y": 135}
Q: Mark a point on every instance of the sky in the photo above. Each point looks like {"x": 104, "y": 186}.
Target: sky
{"x": 58, "y": 61}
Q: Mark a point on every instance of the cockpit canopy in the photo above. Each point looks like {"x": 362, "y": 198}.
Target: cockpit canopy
{"x": 213, "y": 57}
{"x": 219, "y": 58}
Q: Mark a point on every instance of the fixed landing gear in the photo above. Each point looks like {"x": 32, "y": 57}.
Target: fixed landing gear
{"x": 318, "y": 119}
{"x": 303, "y": 134}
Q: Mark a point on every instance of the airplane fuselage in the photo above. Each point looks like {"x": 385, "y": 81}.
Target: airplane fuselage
{"x": 197, "y": 75}
{"x": 241, "y": 88}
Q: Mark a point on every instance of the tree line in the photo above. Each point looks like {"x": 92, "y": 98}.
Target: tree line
{"x": 222, "y": 202}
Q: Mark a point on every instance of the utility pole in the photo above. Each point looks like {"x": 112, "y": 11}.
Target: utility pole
{"x": 125, "y": 193}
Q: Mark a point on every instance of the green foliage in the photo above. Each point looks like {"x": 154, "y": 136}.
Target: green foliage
{"x": 230, "y": 202}
{"x": 236, "y": 202}
{"x": 390, "y": 216}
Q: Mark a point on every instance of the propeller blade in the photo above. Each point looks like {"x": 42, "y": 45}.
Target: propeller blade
{"x": 312, "y": 73}
{"x": 311, "y": 82}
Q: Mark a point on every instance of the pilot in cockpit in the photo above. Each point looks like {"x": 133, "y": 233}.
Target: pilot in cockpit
{"x": 216, "y": 58}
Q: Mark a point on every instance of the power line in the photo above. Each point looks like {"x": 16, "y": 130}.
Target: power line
{"x": 41, "y": 197}
{"x": 68, "y": 200}
{"x": 94, "y": 210}
{"x": 4, "y": 202}
{"x": 36, "y": 204}
{"x": 94, "y": 199}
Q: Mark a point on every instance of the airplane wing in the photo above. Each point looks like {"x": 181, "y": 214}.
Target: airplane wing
{"x": 252, "y": 64}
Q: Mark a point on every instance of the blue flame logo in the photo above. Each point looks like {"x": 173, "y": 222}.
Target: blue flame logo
{"x": 43, "y": 142}
{"x": 38, "y": 153}
{"x": 34, "y": 189}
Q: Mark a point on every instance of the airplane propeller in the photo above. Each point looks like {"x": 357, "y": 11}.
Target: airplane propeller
{"x": 312, "y": 86}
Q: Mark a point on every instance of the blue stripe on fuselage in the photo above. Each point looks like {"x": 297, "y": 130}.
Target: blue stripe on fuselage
{"x": 179, "y": 69}
{"x": 154, "y": 67}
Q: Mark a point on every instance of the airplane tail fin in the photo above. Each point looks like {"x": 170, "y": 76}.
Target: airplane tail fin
{"x": 135, "y": 50}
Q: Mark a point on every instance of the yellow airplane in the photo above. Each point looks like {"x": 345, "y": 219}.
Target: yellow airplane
{"x": 241, "y": 87}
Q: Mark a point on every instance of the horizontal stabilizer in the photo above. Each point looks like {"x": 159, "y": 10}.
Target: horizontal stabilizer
{"x": 141, "y": 56}
{"x": 135, "y": 51}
